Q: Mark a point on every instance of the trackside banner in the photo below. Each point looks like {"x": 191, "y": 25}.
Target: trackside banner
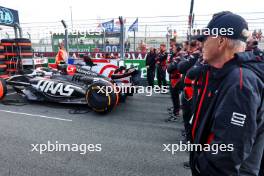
{"x": 105, "y": 66}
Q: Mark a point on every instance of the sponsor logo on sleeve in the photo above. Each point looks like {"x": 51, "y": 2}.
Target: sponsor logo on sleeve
{"x": 238, "y": 119}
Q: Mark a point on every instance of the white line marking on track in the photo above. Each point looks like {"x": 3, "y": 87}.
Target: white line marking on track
{"x": 36, "y": 115}
{"x": 11, "y": 93}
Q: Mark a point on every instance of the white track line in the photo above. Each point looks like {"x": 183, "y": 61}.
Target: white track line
{"x": 36, "y": 115}
{"x": 11, "y": 93}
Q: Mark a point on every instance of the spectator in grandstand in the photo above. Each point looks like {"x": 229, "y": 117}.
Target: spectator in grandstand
{"x": 175, "y": 35}
{"x": 127, "y": 46}
{"x": 185, "y": 46}
{"x": 142, "y": 47}
{"x": 259, "y": 35}
{"x": 62, "y": 55}
{"x": 172, "y": 44}
{"x": 108, "y": 56}
{"x": 150, "y": 65}
{"x": 161, "y": 63}
{"x": 107, "y": 42}
{"x": 96, "y": 50}
{"x": 230, "y": 109}
{"x": 252, "y": 45}
{"x": 254, "y": 33}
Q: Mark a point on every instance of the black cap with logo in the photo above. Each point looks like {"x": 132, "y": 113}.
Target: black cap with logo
{"x": 228, "y": 25}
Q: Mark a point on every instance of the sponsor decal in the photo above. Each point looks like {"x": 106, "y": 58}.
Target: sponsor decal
{"x": 53, "y": 88}
{"x": 86, "y": 72}
{"x": 238, "y": 119}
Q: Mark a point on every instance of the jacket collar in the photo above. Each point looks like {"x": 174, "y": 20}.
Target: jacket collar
{"x": 217, "y": 73}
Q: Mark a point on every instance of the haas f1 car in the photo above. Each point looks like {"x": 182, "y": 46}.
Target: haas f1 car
{"x": 72, "y": 84}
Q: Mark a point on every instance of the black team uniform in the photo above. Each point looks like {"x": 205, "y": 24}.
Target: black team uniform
{"x": 188, "y": 103}
{"x": 175, "y": 78}
{"x": 150, "y": 61}
{"x": 161, "y": 62}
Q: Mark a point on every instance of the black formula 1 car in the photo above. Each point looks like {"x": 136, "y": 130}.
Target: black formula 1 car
{"x": 72, "y": 84}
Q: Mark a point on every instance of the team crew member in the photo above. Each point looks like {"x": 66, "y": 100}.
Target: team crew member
{"x": 150, "y": 65}
{"x": 261, "y": 171}
{"x": 175, "y": 78}
{"x": 62, "y": 54}
{"x": 189, "y": 82}
{"x": 161, "y": 62}
{"x": 185, "y": 64}
{"x": 172, "y": 42}
{"x": 230, "y": 108}
{"x": 252, "y": 45}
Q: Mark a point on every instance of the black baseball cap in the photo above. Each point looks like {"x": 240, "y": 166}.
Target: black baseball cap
{"x": 235, "y": 26}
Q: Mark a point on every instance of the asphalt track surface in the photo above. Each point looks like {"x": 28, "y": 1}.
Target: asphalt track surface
{"x": 131, "y": 138}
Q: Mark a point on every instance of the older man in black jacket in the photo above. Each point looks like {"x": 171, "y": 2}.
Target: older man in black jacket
{"x": 229, "y": 115}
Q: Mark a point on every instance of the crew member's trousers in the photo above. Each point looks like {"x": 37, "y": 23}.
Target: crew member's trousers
{"x": 187, "y": 115}
{"x": 261, "y": 171}
{"x": 151, "y": 76}
{"x": 175, "y": 99}
{"x": 161, "y": 76}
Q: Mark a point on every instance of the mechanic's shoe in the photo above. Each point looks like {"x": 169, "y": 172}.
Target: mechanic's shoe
{"x": 177, "y": 114}
{"x": 172, "y": 118}
{"x": 183, "y": 131}
{"x": 170, "y": 109}
{"x": 183, "y": 134}
{"x": 186, "y": 165}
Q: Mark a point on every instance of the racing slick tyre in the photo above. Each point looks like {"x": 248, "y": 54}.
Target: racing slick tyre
{"x": 3, "y": 88}
{"x": 2, "y": 68}
{"x": 100, "y": 99}
{"x": 7, "y": 42}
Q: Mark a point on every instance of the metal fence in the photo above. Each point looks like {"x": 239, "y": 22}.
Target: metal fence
{"x": 151, "y": 30}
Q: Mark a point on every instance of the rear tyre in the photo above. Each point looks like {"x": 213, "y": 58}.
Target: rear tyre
{"x": 3, "y": 88}
{"x": 99, "y": 99}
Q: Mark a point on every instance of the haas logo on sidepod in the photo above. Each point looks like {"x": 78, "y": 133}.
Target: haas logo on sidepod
{"x": 54, "y": 88}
